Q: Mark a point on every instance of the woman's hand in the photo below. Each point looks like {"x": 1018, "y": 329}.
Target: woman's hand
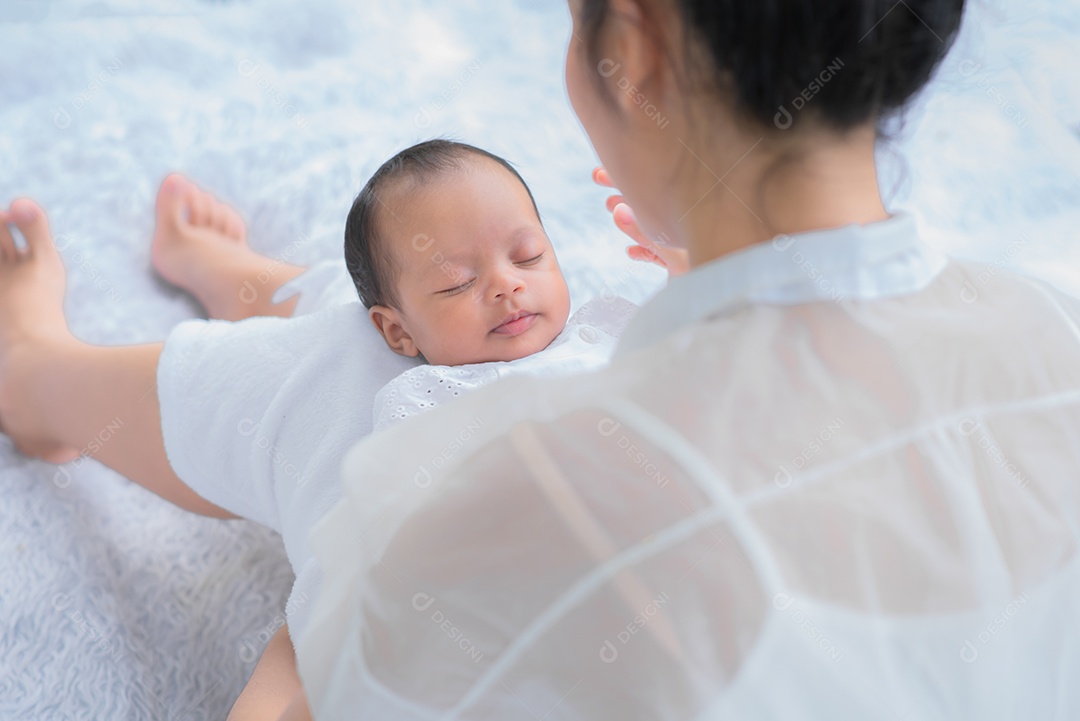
{"x": 676, "y": 260}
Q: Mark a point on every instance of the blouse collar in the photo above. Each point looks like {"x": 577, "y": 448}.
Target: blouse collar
{"x": 855, "y": 262}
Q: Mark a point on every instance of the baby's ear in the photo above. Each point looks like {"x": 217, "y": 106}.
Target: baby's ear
{"x": 388, "y": 322}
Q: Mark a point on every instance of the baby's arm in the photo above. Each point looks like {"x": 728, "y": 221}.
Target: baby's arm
{"x": 273, "y": 692}
{"x": 298, "y": 709}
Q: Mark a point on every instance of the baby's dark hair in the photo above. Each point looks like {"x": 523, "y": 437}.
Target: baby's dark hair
{"x": 845, "y": 62}
{"x": 368, "y": 255}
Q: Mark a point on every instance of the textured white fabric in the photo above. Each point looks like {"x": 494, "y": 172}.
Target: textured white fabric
{"x": 257, "y": 415}
{"x": 781, "y": 505}
{"x": 585, "y": 344}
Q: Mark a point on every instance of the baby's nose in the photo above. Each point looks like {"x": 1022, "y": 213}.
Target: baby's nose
{"x": 507, "y": 283}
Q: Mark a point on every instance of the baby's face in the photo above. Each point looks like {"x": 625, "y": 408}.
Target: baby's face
{"x": 477, "y": 278}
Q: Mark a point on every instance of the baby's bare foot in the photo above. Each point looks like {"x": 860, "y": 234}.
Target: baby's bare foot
{"x": 194, "y": 231}
{"x": 32, "y": 323}
{"x": 200, "y": 245}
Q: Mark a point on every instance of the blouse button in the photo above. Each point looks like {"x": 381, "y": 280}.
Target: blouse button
{"x": 587, "y": 334}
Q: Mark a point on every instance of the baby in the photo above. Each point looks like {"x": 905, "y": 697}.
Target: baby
{"x": 447, "y": 251}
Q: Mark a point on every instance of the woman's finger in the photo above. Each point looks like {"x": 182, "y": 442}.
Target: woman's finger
{"x": 600, "y": 177}
{"x": 627, "y": 223}
{"x": 613, "y": 201}
{"x": 640, "y": 252}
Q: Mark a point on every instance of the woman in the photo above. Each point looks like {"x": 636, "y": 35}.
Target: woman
{"x": 829, "y": 474}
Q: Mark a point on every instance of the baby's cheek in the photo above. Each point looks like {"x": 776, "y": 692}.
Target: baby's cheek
{"x": 564, "y": 304}
{"x": 557, "y": 327}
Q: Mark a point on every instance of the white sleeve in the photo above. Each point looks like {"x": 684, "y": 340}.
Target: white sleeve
{"x": 215, "y": 384}
{"x": 256, "y": 415}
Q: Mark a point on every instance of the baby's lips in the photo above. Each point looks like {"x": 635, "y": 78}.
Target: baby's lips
{"x": 510, "y": 317}
{"x": 510, "y": 325}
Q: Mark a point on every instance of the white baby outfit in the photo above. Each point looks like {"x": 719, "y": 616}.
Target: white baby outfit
{"x": 257, "y": 415}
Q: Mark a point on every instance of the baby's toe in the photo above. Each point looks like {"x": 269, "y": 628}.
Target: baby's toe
{"x": 8, "y": 251}
{"x": 174, "y": 199}
{"x": 234, "y": 225}
{"x": 219, "y": 216}
{"x": 31, "y": 221}
{"x": 174, "y": 185}
{"x": 201, "y": 209}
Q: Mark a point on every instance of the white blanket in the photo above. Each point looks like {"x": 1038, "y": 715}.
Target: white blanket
{"x": 113, "y": 604}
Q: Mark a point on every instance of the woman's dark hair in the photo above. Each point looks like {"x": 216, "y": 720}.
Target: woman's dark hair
{"x": 840, "y": 62}
{"x": 367, "y": 252}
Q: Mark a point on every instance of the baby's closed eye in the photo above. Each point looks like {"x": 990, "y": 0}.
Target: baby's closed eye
{"x": 531, "y": 261}
{"x": 457, "y": 288}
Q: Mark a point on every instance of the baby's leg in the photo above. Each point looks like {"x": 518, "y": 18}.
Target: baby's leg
{"x": 200, "y": 245}
{"x": 58, "y": 395}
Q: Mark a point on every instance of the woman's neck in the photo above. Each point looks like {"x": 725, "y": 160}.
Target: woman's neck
{"x": 812, "y": 182}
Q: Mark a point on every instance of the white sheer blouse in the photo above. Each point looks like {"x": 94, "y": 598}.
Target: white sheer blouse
{"x": 830, "y": 476}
